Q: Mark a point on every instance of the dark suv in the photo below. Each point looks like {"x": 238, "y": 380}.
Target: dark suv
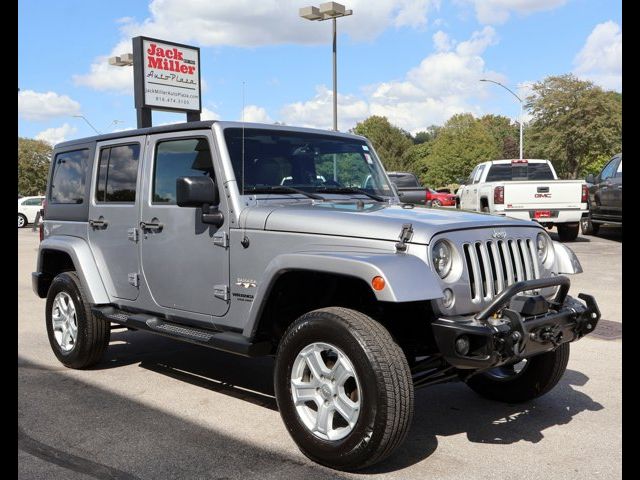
{"x": 605, "y": 197}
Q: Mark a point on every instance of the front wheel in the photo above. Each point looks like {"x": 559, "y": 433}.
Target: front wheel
{"x": 436, "y": 203}
{"x": 525, "y": 380}
{"x": 22, "y": 221}
{"x": 344, "y": 388}
{"x": 588, "y": 227}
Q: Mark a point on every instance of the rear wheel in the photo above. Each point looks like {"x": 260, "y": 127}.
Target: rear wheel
{"x": 485, "y": 209}
{"x": 344, "y": 388}
{"x": 22, "y": 221}
{"x": 77, "y": 337}
{"x": 588, "y": 227}
{"x": 436, "y": 203}
{"x": 568, "y": 232}
{"x": 525, "y": 380}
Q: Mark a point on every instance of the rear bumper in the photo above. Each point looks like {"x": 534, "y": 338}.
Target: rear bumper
{"x": 557, "y": 216}
{"x": 516, "y": 326}
{"x": 40, "y": 283}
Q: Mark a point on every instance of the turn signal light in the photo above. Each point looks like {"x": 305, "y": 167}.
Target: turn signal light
{"x": 378, "y": 283}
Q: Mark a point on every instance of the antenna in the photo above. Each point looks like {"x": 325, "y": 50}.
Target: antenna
{"x": 243, "y": 137}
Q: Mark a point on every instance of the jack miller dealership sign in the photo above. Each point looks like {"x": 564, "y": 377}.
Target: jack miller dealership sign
{"x": 167, "y": 77}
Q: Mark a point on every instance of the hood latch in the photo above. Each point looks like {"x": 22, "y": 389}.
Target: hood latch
{"x": 405, "y": 235}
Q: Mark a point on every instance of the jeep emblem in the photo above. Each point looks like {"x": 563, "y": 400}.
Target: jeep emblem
{"x": 499, "y": 234}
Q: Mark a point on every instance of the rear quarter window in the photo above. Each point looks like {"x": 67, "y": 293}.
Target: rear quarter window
{"x": 69, "y": 174}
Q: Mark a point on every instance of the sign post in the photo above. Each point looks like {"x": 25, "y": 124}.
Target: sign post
{"x": 167, "y": 78}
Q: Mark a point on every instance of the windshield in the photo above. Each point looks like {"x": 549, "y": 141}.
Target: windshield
{"x": 519, "y": 171}
{"x": 275, "y": 159}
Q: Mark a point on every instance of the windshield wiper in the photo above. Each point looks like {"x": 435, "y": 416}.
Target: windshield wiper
{"x": 351, "y": 190}
{"x": 282, "y": 189}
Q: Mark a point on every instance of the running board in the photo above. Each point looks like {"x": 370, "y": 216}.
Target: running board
{"x": 227, "y": 341}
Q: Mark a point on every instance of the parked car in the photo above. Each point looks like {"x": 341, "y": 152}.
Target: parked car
{"x": 28, "y": 208}
{"x": 360, "y": 298}
{"x": 440, "y": 199}
{"x": 605, "y": 197}
{"x": 408, "y": 187}
{"x": 529, "y": 190}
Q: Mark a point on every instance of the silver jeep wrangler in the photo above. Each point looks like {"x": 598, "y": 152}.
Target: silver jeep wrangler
{"x": 272, "y": 240}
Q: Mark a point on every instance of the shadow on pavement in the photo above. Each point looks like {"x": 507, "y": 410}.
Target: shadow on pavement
{"x": 92, "y": 431}
{"x": 442, "y": 410}
{"x": 613, "y": 233}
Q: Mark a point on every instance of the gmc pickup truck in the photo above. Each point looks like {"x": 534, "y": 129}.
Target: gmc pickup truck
{"x": 528, "y": 190}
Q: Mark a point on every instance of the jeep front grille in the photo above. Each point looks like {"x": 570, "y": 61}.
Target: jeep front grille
{"x": 494, "y": 265}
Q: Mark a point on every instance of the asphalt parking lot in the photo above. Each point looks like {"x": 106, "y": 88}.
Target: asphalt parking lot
{"x": 155, "y": 408}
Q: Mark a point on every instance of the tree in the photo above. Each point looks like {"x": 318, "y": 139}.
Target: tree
{"x": 389, "y": 141}
{"x": 506, "y": 134}
{"x": 575, "y": 124}
{"x": 426, "y": 135}
{"x": 461, "y": 144}
{"x": 34, "y": 157}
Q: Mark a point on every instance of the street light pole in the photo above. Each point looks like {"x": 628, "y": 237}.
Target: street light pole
{"x": 521, "y": 106}
{"x": 88, "y": 123}
{"x": 326, "y": 11}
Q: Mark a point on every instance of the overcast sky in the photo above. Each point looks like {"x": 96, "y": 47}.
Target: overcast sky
{"x": 415, "y": 61}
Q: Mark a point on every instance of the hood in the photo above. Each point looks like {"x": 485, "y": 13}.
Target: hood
{"x": 378, "y": 221}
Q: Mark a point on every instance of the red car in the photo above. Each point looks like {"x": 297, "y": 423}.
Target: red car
{"x": 439, "y": 199}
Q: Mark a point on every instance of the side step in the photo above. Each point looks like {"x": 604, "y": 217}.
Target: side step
{"x": 228, "y": 341}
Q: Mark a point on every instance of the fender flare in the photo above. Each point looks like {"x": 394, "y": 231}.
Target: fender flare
{"x": 82, "y": 258}
{"x": 400, "y": 272}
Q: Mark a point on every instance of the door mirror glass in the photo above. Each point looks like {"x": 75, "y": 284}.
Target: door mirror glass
{"x": 196, "y": 191}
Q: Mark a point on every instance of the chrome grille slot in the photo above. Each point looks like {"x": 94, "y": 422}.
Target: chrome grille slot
{"x": 494, "y": 265}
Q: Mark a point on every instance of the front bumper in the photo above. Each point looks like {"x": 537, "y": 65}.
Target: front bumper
{"x": 516, "y": 326}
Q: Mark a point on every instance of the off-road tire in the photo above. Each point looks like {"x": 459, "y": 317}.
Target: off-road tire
{"x": 93, "y": 332}
{"x": 386, "y": 387}
{"x": 568, "y": 233}
{"x": 540, "y": 375}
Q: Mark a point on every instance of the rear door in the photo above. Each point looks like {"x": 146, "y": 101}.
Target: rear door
{"x": 113, "y": 214}
{"x": 185, "y": 263}
{"x": 607, "y": 188}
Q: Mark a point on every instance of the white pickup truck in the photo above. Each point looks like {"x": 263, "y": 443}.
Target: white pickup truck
{"x": 528, "y": 190}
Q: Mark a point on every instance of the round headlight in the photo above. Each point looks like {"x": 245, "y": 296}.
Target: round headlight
{"x": 542, "y": 245}
{"x": 441, "y": 257}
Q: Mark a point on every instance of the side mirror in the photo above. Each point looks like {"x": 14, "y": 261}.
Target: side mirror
{"x": 590, "y": 178}
{"x": 200, "y": 192}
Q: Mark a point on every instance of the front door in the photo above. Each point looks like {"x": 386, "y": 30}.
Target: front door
{"x": 185, "y": 263}
{"x": 113, "y": 215}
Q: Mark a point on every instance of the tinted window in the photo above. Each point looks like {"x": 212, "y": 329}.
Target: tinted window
{"x": 118, "y": 173}
{"x": 32, "y": 202}
{"x": 67, "y": 184}
{"x": 179, "y": 158}
{"x": 609, "y": 170}
{"x": 405, "y": 180}
{"x": 521, "y": 171}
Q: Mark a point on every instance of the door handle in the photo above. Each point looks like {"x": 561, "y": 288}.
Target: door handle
{"x": 156, "y": 227}
{"x": 100, "y": 223}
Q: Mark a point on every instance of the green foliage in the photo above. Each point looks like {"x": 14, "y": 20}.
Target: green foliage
{"x": 506, "y": 134}
{"x": 575, "y": 124}
{"x": 389, "y": 141}
{"x": 34, "y": 157}
{"x": 426, "y": 135}
{"x": 461, "y": 144}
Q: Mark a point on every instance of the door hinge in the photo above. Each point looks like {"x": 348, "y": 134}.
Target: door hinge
{"x": 221, "y": 292}
{"x": 132, "y": 234}
{"x": 134, "y": 279}
{"x": 221, "y": 239}
{"x": 405, "y": 235}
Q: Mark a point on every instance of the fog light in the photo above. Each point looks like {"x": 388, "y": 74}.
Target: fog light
{"x": 462, "y": 345}
{"x": 447, "y": 298}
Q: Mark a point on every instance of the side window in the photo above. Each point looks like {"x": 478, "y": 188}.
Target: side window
{"x": 118, "y": 174}
{"x": 472, "y": 175}
{"x": 67, "y": 183}
{"x": 32, "y": 202}
{"x": 619, "y": 169}
{"x": 609, "y": 170}
{"x": 188, "y": 157}
{"x": 476, "y": 179}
